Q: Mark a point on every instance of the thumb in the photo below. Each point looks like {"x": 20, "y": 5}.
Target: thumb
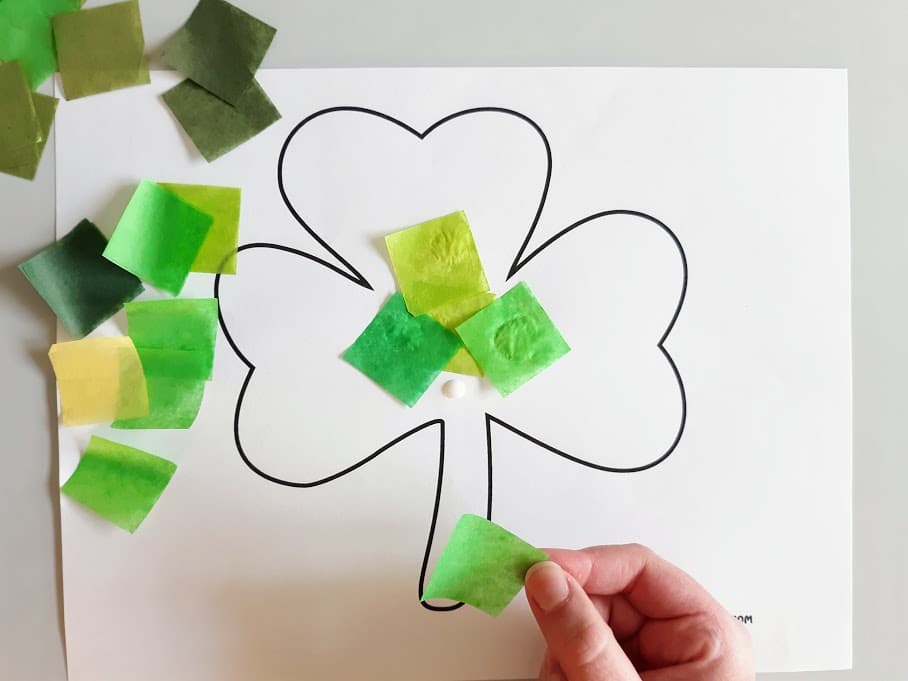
{"x": 578, "y": 638}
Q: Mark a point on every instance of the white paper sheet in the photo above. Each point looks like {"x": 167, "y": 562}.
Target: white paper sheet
{"x": 735, "y": 184}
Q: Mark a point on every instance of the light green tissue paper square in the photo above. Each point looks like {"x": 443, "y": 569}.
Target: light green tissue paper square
{"x": 158, "y": 237}
{"x": 119, "y": 483}
{"x": 26, "y": 35}
{"x": 512, "y": 339}
{"x": 482, "y": 565}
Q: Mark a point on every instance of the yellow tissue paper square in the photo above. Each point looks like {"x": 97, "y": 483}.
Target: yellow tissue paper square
{"x": 99, "y": 379}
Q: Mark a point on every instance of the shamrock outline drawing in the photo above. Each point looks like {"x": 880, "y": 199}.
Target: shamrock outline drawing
{"x": 521, "y": 259}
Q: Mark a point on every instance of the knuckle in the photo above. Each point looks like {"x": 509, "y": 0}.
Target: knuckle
{"x": 710, "y": 635}
{"x": 735, "y": 661}
{"x": 641, "y": 549}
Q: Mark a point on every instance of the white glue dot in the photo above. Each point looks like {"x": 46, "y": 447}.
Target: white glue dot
{"x": 454, "y": 389}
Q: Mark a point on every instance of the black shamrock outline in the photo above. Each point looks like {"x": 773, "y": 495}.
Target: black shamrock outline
{"x": 355, "y": 277}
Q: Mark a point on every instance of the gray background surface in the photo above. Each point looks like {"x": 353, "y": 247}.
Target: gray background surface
{"x": 867, "y": 37}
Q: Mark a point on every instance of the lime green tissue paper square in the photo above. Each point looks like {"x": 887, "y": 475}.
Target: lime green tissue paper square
{"x": 119, "y": 483}
{"x": 456, "y": 312}
{"x": 403, "y": 354}
{"x": 26, "y": 35}
{"x": 218, "y": 252}
{"x": 482, "y": 565}
{"x": 82, "y": 287}
{"x": 463, "y": 363}
{"x": 20, "y": 127}
{"x": 158, "y": 237}
{"x": 220, "y": 47}
{"x": 436, "y": 263}
{"x": 215, "y": 126}
{"x": 453, "y": 315}
{"x": 512, "y": 339}
{"x": 101, "y": 49}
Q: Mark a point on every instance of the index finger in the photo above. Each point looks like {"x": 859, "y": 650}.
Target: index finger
{"x": 655, "y": 587}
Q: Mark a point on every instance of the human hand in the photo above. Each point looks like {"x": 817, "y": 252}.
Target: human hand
{"x": 622, "y": 613}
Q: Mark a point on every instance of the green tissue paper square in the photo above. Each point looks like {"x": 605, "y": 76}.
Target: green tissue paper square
{"x": 436, "y": 263}
{"x": 513, "y": 339}
{"x": 176, "y": 337}
{"x": 173, "y": 403}
{"x": 81, "y": 286}
{"x": 158, "y": 237}
{"x": 218, "y": 252}
{"x": 26, "y": 35}
{"x": 403, "y": 354}
{"x": 213, "y": 125}
{"x": 20, "y": 127}
{"x": 482, "y": 565}
{"x": 175, "y": 340}
{"x": 220, "y": 47}
{"x": 119, "y": 483}
{"x": 101, "y": 49}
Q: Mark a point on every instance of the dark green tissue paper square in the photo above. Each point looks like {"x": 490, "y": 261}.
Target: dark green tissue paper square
{"x": 213, "y": 125}
{"x": 82, "y": 287}
{"x": 220, "y": 47}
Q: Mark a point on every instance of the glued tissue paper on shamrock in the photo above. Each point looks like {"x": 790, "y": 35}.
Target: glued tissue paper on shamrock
{"x": 305, "y": 418}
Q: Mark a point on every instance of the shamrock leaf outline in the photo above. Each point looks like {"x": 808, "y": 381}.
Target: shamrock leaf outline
{"x": 520, "y": 260}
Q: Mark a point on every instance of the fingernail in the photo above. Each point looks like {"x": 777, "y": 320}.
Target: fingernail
{"x": 547, "y": 585}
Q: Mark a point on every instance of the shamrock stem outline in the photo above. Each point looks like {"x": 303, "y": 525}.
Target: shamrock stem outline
{"x": 355, "y": 277}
